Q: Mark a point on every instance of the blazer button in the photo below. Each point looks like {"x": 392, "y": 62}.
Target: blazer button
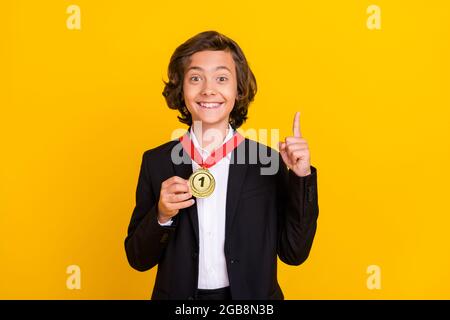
{"x": 164, "y": 238}
{"x": 190, "y": 298}
{"x": 310, "y": 194}
{"x": 195, "y": 255}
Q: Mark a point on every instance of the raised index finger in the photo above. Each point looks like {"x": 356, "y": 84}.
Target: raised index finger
{"x": 296, "y": 126}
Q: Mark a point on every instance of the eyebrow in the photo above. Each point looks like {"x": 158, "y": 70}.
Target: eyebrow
{"x": 201, "y": 69}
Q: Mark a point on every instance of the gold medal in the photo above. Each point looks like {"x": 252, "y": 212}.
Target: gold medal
{"x": 202, "y": 183}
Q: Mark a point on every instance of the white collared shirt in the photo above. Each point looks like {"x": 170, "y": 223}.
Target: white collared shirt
{"x": 212, "y": 269}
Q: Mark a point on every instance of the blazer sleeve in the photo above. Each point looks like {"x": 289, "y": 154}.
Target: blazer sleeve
{"x": 297, "y": 214}
{"x": 146, "y": 239}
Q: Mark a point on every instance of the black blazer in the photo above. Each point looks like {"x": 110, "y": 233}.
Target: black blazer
{"x": 266, "y": 216}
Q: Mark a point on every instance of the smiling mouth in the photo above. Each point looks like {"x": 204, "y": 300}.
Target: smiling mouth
{"x": 210, "y": 105}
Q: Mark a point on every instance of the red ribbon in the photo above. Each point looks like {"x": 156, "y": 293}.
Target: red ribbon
{"x": 216, "y": 155}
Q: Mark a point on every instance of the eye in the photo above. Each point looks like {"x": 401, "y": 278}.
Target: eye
{"x": 194, "y": 78}
{"x": 222, "y": 79}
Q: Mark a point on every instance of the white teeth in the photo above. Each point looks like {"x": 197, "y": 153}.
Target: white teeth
{"x": 209, "y": 105}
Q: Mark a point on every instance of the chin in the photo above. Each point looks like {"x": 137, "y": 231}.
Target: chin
{"x": 210, "y": 121}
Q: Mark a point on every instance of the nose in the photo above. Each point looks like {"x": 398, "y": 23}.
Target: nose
{"x": 208, "y": 89}
{"x": 208, "y": 92}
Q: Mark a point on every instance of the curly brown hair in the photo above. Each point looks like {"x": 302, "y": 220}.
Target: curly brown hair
{"x": 209, "y": 40}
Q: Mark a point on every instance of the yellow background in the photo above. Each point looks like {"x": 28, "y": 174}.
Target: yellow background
{"x": 79, "y": 107}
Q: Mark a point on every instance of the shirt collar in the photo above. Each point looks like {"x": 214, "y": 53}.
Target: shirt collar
{"x": 204, "y": 153}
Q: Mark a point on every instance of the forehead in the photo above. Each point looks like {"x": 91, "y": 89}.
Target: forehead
{"x": 209, "y": 60}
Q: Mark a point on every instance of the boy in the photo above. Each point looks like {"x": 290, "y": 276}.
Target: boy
{"x": 225, "y": 243}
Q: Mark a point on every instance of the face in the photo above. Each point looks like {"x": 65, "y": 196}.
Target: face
{"x": 210, "y": 87}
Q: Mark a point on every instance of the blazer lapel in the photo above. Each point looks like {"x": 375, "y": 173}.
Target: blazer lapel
{"x": 184, "y": 170}
{"x": 236, "y": 176}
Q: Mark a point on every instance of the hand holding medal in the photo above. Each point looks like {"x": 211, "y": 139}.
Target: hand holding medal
{"x": 175, "y": 195}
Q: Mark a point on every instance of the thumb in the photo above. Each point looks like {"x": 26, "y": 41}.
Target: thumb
{"x": 283, "y": 152}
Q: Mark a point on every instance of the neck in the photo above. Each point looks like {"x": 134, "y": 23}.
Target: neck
{"x": 210, "y": 136}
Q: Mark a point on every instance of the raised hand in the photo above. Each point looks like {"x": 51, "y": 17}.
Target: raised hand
{"x": 295, "y": 151}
